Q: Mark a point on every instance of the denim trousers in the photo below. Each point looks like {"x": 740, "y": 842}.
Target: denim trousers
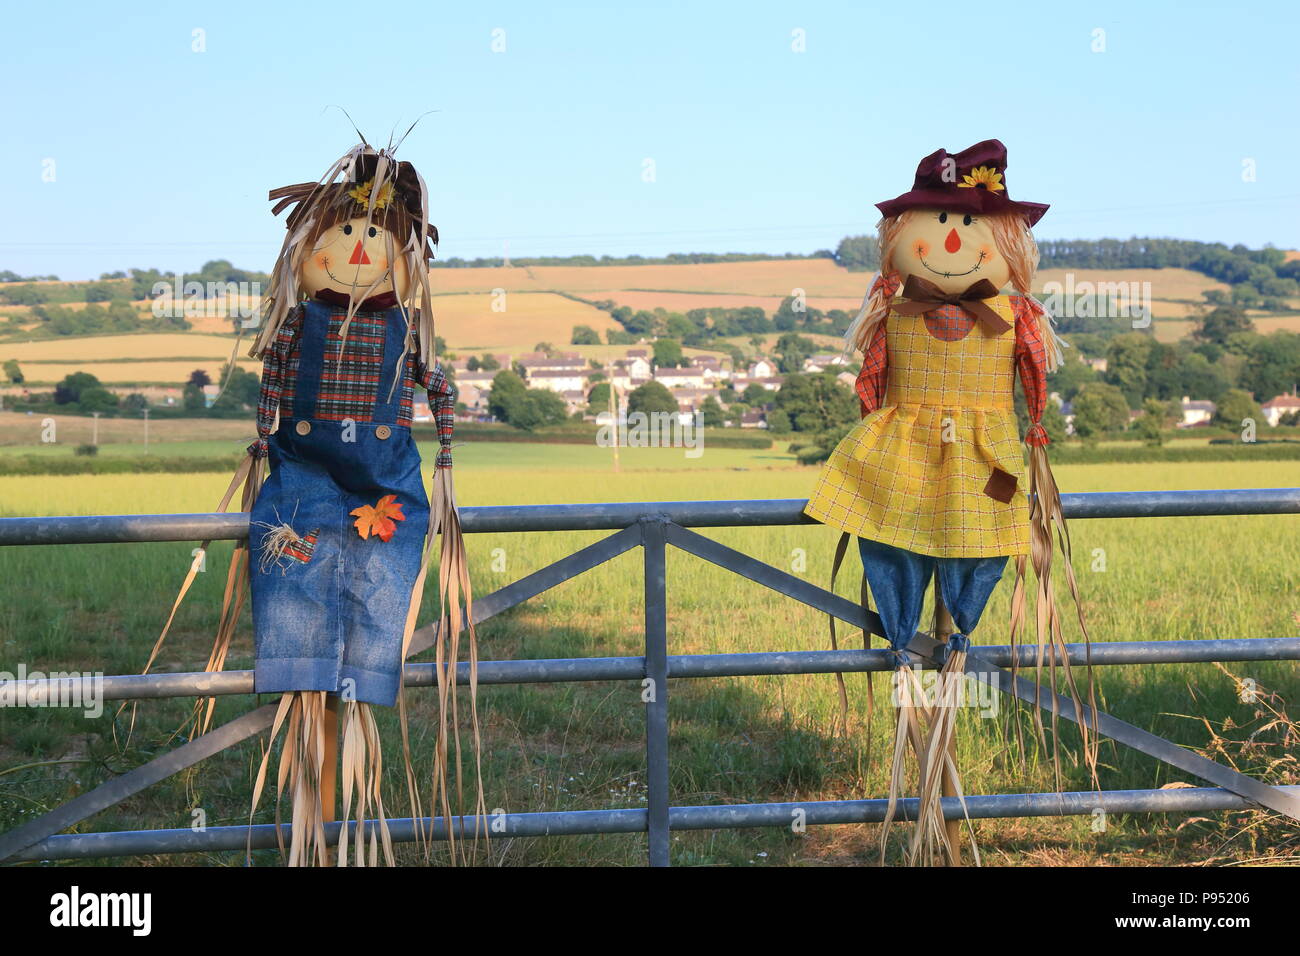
{"x": 898, "y": 580}
{"x": 335, "y": 621}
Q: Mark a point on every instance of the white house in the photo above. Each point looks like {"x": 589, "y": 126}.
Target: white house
{"x": 763, "y": 368}
{"x": 823, "y": 361}
{"x": 680, "y": 377}
{"x": 1197, "y": 413}
{"x": 557, "y": 380}
{"x": 1283, "y": 404}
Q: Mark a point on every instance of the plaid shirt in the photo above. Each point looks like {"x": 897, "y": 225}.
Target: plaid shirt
{"x": 348, "y": 386}
{"x": 949, "y": 323}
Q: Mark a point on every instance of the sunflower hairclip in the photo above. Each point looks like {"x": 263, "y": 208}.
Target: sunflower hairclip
{"x": 361, "y": 194}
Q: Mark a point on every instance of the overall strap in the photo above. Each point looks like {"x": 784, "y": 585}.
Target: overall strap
{"x": 311, "y": 357}
{"x": 390, "y": 388}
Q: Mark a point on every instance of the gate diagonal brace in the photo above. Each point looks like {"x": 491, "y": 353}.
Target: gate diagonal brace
{"x": 241, "y": 728}
{"x": 978, "y": 666}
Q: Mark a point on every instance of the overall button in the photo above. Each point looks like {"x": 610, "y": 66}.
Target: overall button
{"x": 302, "y": 428}
{"x": 382, "y": 432}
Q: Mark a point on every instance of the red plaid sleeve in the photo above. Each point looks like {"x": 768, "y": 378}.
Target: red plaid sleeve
{"x": 274, "y": 362}
{"x": 870, "y": 385}
{"x": 1031, "y": 363}
{"x": 442, "y": 402}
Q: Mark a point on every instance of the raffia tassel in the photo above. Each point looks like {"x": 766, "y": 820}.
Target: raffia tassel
{"x": 456, "y": 613}
{"x": 302, "y": 758}
{"x": 930, "y": 843}
{"x": 909, "y": 711}
{"x": 363, "y": 774}
{"x": 1047, "y": 521}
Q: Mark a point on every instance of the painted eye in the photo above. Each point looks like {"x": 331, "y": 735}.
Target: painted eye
{"x": 943, "y": 217}
{"x": 347, "y": 229}
{"x": 966, "y": 221}
{"x": 374, "y": 232}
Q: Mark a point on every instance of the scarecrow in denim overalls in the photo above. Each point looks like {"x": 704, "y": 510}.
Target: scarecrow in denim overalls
{"x": 342, "y": 531}
{"x": 931, "y": 480}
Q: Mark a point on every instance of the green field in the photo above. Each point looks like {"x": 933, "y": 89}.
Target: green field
{"x": 564, "y": 747}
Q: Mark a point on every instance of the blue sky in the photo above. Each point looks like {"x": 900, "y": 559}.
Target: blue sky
{"x": 162, "y": 156}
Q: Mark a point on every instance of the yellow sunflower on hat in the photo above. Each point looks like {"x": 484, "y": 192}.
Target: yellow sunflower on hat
{"x": 982, "y": 177}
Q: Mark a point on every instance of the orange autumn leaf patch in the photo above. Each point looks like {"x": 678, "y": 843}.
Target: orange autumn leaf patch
{"x": 379, "y": 518}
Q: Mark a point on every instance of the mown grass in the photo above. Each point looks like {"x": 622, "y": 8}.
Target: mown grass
{"x": 579, "y": 746}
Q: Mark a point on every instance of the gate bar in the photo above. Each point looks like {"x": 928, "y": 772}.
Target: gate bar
{"x": 728, "y": 816}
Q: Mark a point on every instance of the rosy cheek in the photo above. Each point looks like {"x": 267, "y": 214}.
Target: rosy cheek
{"x": 382, "y": 263}
{"x": 986, "y": 253}
{"x": 921, "y": 248}
{"x": 322, "y": 260}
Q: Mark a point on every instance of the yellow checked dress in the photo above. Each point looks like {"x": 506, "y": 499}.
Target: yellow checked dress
{"x": 912, "y": 473}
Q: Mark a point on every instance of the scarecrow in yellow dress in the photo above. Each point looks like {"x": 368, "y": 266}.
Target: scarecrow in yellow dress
{"x": 931, "y": 481}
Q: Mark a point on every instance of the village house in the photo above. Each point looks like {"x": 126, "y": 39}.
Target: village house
{"x": 823, "y": 361}
{"x": 1196, "y": 413}
{"x": 763, "y": 368}
{"x": 557, "y": 380}
{"x": 673, "y": 378}
{"x": 1285, "y": 404}
{"x": 753, "y": 418}
{"x": 559, "y": 361}
{"x": 1096, "y": 364}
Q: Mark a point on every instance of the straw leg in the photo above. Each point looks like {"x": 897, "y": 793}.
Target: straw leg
{"x": 944, "y": 627}
{"x": 329, "y": 771}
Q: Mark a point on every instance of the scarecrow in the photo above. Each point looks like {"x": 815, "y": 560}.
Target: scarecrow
{"x": 342, "y": 530}
{"x": 931, "y": 480}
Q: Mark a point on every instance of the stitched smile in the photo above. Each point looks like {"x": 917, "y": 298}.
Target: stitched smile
{"x": 348, "y": 281}
{"x": 949, "y": 275}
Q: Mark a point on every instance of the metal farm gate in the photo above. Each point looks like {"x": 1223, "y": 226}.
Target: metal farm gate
{"x": 653, "y": 526}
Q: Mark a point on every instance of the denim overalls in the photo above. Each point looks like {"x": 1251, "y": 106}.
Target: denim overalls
{"x": 330, "y": 613}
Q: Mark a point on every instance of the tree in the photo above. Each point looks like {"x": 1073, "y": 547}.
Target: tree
{"x": 1235, "y": 406}
{"x": 192, "y": 398}
{"x": 584, "y": 335}
{"x": 778, "y": 422}
{"x": 858, "y": 253}
{"x": 545, "y": 348}
{"x": 1099, "y": 408}
{"x": 816, "y": 402}
{"x": 68, "y": 391}
{"x": 135, "y": 403}
{"x": 756, "y": 394}
{"x": 13, "y": 372}
{"x": 97, "y": 399}
{"x": 1219, "y": 323}
{"x": 791, "y": 350}
{"x": 598, "y": 398}
{"x": 711, "y": 414}
{"x": 240, "y": 389}
{"x": 199, "y": 377}
{"x": 668, "y": 354}
{"x": 650, "y": 398}
{"x": 1151, "y": 425}
{"x": 537, "y": 408}
{"x": 507, "y": 388}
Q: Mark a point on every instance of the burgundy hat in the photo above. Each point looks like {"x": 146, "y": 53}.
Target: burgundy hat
{"x": 973, "y": 180}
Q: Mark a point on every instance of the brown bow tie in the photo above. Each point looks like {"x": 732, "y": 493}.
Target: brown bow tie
{"x": 922, "y": 296}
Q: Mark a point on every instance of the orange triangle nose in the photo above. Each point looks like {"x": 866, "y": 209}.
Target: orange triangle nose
{"x": 359, "y": 257}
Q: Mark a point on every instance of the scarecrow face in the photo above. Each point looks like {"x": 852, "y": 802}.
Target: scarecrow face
{"x": 351, "y": 257}
{"x": 950, "y": 249}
